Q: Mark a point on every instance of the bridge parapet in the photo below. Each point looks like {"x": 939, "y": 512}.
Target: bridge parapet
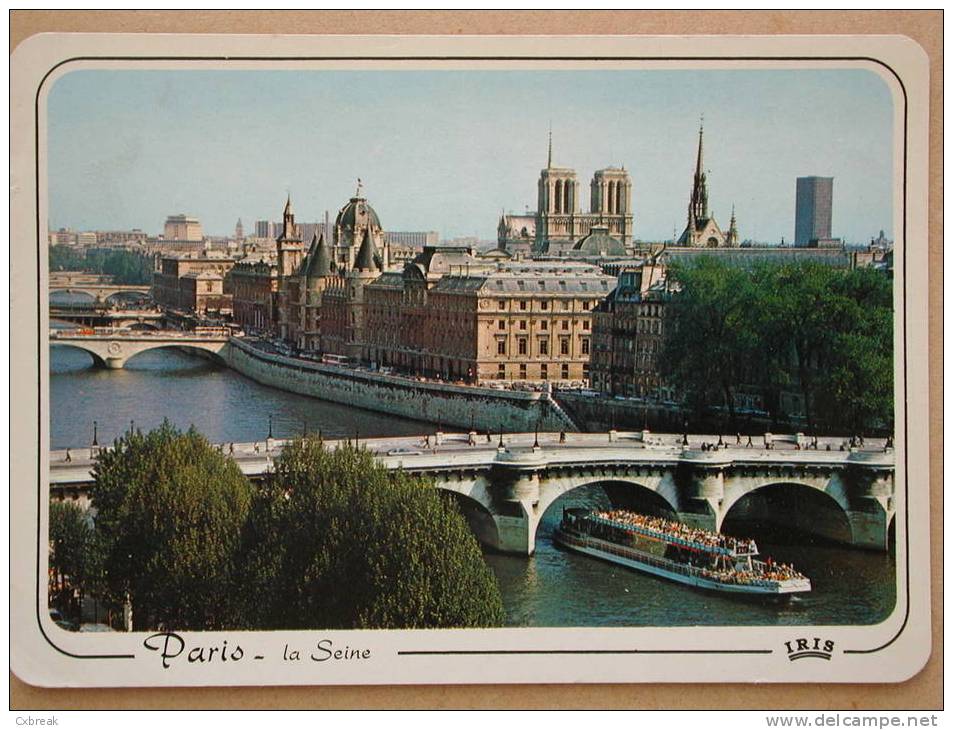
{"x": 514, "y": 486}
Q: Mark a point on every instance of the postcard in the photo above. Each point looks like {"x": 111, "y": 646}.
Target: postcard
{"x": 421, "y": 359}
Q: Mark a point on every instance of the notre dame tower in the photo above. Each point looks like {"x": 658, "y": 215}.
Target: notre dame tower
{"x": 559, "y": 222}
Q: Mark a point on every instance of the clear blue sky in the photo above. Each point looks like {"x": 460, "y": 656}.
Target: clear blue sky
{"x": 447, "y": 150}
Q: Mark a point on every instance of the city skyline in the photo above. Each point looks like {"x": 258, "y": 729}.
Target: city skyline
{"x": 449, "y": 150}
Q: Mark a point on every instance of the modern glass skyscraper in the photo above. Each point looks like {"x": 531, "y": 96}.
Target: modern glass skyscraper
{"x": 812, "y": 217}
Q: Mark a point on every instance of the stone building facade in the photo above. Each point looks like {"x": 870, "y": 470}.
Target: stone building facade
{"x": 341, "y": 323}
{"x": 628, "y": 330}
{"x": 254, "y": 287}
{"x": 485, "y": 322}
{"x": 182, "y": 228}
{"x": 193, "y": 284}
{"x": 320, "y": 293}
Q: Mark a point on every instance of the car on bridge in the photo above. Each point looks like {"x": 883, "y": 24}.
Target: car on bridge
{"x": 404, "y": 452}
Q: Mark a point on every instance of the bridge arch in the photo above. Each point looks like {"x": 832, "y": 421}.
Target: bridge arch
{"x": 647, "y": 496}
{"x": 478, "y": 516}
{"x": 818, "y": 509}
{"x": 129, "y": 294}
{"x": 67, "y": 295}
{"x": 137, "y": 326}
{"x": 198, "y": 350}
{"x": 97, "y": 360}
{"x": 114, "y": 353}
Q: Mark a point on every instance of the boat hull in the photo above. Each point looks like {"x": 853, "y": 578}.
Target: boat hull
{"x": 601, "y": 549}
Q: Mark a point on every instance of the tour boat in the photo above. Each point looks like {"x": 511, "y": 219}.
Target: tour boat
{"x": 675, "y": 551}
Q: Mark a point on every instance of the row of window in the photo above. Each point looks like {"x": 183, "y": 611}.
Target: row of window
{"x": 543, "y": 324}
{"x": 522, "y": 346}
{"x": 564, "y": 304}
{"x": 522, "y": 372}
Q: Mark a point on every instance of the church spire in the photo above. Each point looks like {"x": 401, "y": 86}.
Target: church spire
{"x": 549, "y": 158}
{"x": 732, "y": 238}
{"x": 699, "y": 163}
{"x": 698, "y": 207}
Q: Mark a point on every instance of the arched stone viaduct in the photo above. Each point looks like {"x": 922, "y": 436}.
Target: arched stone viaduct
{"x": 505, "y": 491}
{"x": 113, "y": 350}
{"x": 101, "y": 292}
{"x": 697, "y": 487}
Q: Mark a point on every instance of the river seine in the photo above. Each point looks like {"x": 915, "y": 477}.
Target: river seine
{"x": 551, "y": 588}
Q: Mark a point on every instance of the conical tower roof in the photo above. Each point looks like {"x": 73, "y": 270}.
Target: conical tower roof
{"x": 368, "y": 252}
{"x": 319, "y": 260}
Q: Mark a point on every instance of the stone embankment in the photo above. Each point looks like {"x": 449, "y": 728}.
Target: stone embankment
{"x": 463, "y": 406}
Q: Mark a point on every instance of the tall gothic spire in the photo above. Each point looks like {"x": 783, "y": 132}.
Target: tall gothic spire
{"x": 698, "y": 207}
{"x": 701, "y": 135}
{"x": 549, "y": 158}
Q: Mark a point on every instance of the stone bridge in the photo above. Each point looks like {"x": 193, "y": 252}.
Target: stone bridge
{"x": 111, "y": 348}
{"x": 97, "y": 316}
{"x": 843, "y": 493}
{"x": 100, "y": 292}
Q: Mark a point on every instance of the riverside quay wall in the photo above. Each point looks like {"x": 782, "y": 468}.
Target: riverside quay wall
{"x": 485, "y": 409}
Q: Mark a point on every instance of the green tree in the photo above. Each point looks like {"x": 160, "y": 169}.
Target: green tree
{"x": 794, "y": 326}
{"x": 170, "y": 511}
{"x": 711, "y": 342}
{"x": 66, "y": 258}
{"x": 794, "y": 312}
{"x": 126, "y": 267}
{"x": 75, "y": 557}
{"x": 855, "y": 386}
{"x": 336, "y": 541}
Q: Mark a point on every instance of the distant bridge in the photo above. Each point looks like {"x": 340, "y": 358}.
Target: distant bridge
{"x": 99, "y": 316}
{"x": 111, "y": 348}
{"x": 102, "y": 292}
{"x": 65, "y": 278}
{"x": 98, "y": 286}
{"x": 504, "y": 490}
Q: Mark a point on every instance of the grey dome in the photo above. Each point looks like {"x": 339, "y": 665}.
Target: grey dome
{"x": 600, "y": 243}
{"x": 356, "y": 213}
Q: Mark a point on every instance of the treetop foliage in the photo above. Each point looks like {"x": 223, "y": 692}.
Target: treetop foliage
{"x": 126, "y": 267}
{"x": 806, "y": 327}
{"x": 170, "y": 510}
{"x": 344, "y": 543}
{"x": 330, "y": 539}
